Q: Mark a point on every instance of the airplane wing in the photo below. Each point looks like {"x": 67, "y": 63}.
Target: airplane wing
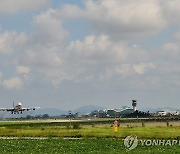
{"x": 29, "y": 109}
{"x": 6, "y": 109}
{"x": 22, "y": 109}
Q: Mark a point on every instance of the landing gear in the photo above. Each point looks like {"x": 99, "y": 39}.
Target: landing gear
{"x": 13, "y": 112}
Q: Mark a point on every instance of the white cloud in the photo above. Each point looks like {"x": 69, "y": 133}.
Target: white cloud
{"x": 1, "y": 75}
{"x": 9, "y": 6}
{"x": 101, "y": 49}
{"x": 48, "y": 31}
{"x": 170, "y": 51}
{"x": 141, "y": 68}
{"x": 122, "y": 18}
{"x": 44, "y": 52}
{"x": 98, "y": 57}
{"x": 177, "y": 36}
{"x": 47, "y": 62}
{"x": 125, "y": 20}
{"x": 119, "y": 19}
{"x": 167, "y": 60}
{"x": 10, "y": 40}
{"x": 68, "y": 11}
{"x": 170, "y": 10}
{"x": 101, "y": 56}
{"x": 85, "y": 60}
{"x": 94, "y": 49}
{"x": 22, "y": 70}
{"x": 15, "y": 83}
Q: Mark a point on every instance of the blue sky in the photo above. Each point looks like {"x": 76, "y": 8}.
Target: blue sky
{"x": 66, "y": 54}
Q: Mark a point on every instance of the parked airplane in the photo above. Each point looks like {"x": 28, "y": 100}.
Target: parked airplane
{"x": 18, "y": 109}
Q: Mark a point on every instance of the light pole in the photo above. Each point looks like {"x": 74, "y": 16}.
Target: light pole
{"x": 70, "y": 113}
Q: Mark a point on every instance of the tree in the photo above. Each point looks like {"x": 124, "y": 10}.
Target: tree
{"x": 45, "y": 116}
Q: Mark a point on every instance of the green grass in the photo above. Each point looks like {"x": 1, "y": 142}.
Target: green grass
{"x": 90, "y": 132}
{"x": 48, "y": 146}
{"x": 98, "y": 139}
{"x": 47, "y": 129}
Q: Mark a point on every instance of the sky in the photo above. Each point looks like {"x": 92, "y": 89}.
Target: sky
{"x": 65, "y": 54}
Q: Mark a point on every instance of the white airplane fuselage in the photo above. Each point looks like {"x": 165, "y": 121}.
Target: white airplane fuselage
{"x": 18, "y": 107}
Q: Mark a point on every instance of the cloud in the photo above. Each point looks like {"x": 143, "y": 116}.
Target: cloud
{"x": 101, "y": 49}
{"x": 22, "y": 70}
{"x": 1, "y": 75}
{"x": 89, "y": 59}
{"x": 141, "y": 68}
{"x": 14, "y": 83}
{"x": 48, "y": 30}
{"x": 100, "y": 58}
{"x": 124, "y": 20}
{"x": 119, "y": 19}
{"x": 170, "y": 51}
{"x": 44, "y": 51}
{"x": 170, "y": 10}
{"x": 177, "y": 36}
{"x": 9, "y": 6}
{"x": 102, "y": 55}
{"x": 10, "y": 41}
{"x": 47, "y": 63}
{"x": 69, "y": 12}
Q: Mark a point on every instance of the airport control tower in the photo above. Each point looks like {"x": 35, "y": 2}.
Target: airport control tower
{"x": 134, "y": 104}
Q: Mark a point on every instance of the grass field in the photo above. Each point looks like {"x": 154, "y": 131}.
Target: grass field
{"x": 13, "y": 129}
{"x": 78, "y": 146}
{"x": 86, "y": 138}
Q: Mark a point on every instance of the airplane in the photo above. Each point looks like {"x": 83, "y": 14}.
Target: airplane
{"x": 18, "y": 109}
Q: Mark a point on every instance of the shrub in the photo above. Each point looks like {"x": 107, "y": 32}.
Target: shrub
{"x": 76, "y": 126}
{"x": 143, "y": 124}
